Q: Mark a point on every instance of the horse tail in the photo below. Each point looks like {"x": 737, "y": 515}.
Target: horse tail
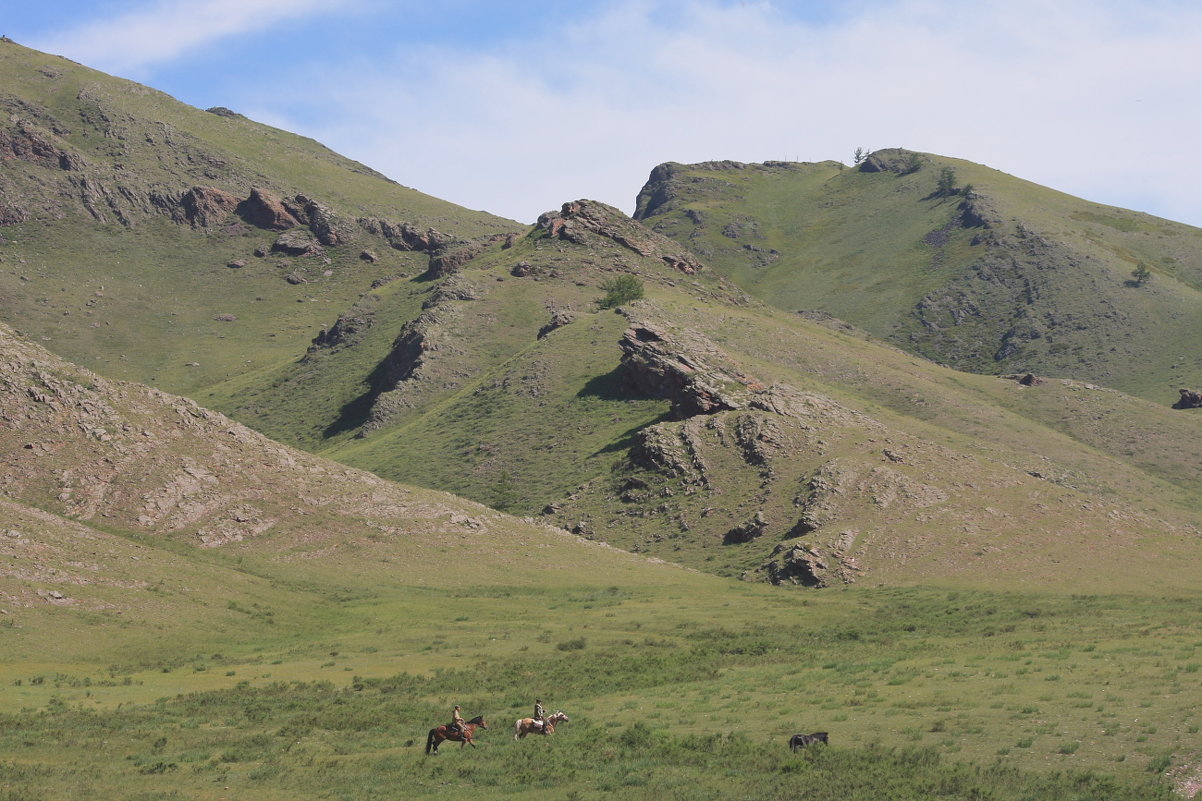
{"x": 430, "y": 740}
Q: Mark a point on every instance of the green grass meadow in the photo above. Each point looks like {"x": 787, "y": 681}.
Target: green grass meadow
{"x": 687, "y": 688}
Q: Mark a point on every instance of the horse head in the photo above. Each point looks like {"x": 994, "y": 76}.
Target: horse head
{"x": 558, "y": 717}
{"x": 479, "y": 721}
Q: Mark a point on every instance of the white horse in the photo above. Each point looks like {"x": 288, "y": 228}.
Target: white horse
{"x": 524, "y": 726}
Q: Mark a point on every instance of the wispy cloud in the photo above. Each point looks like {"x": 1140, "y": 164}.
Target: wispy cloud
{"x": 167, "y": 29}
{"x": 524, "y": 107}
{"x": 1085, "y": 97}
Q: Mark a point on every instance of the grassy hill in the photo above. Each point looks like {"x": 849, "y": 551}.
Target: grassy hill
{"x": 451, "y": 349}
{"x": 998, "y": 275}
{"x": 161, "y": 243}
{"x": 703, "y": 427}
{"x": 191, "y": 610}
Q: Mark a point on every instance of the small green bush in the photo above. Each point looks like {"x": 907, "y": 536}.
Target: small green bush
{"x": 622, "y": 289}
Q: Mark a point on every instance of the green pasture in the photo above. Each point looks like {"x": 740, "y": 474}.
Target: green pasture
{"x": 685, "y": 688}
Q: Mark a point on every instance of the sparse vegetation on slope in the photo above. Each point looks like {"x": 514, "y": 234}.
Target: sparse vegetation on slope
{"x": 190, "y": 609}
{"x": 161, "y": 243}
{"x": 962, "y": 264}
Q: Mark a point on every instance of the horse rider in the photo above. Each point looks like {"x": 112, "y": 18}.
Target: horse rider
{"x": 540, "y": 715}
{"x": 457, "y": 721}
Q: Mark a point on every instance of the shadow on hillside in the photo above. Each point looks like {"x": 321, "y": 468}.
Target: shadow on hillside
{"x": 626, "y": 441}
{"x": 354, "y": 414}
{"x": 611, "y": 386}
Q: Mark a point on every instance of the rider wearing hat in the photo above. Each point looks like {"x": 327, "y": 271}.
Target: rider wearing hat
{"x": 457, "y": 720}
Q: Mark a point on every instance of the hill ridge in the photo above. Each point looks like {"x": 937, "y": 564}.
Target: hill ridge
{"x": 991, "y": 274}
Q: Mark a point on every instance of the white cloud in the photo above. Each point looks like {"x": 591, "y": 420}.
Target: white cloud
{"x": 1075, "y": 95}
{"x": 167, "y": 29}
{"x": 1089, "y": 97}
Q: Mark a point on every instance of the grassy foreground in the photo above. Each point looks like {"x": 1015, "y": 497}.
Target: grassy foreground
{"x": 680, "y": 691}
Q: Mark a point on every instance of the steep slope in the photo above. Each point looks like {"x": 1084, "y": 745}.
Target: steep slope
{"x": 703, "y": 427}
{"x": 697, "y": 424}
{"x": 987, "y": 273}
{"x": 144, "y": 523}
{"x": 162, "y": 243}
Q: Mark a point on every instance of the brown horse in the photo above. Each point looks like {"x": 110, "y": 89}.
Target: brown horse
{"x": 524, "y": 726}
{"x": 440, "y": 733}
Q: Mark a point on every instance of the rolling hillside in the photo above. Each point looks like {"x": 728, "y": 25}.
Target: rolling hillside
{"x": 153, "y": 522}
{"x": 703, "y": 427}
{"x": 734, "y": 521}
{"x": 188, "y": 608}
{"x": 134, "y": 229}
{"x": 333, "y": 310}
{"x": 995, "y": 275}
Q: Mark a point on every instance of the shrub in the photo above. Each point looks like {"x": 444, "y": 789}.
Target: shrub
{"x": 622, "y": 289}
{"x": 947, "y": 182}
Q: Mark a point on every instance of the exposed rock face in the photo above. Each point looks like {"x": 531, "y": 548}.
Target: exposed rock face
{"x": 264, "y": 210}
{"x": 658, "y": 363}
{"x": 321, "y": 221}
{"x": 447, "y": 254}
{"x": 448, "y": 259}
{"x": 204, "y": 206}
{"x": 30, "y": 143}
{"x": 748, "y": 531}
{"x": 403, "y": 364}
{"x": 1189, "y": 400}
{"x": 297, "y": 242}
{"x": 346, "y": 330}
{"x": 559, "y": 318}
{"x": 580, "y": 219}
{"x": 891, "y": 160}
{"x": 403, "y": 236}
{"x": 454, "y": 288}
{"x": 671, "y": 450}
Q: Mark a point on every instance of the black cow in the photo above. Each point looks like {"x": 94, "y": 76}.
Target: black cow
{"x": 802, "y": 740}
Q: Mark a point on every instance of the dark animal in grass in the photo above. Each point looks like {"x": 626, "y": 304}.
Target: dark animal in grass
{"x": 440, "y": 733}
{"x": 802, "y": 740}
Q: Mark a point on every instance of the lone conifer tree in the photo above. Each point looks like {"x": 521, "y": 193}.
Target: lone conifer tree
{"x": 947, "y": 182}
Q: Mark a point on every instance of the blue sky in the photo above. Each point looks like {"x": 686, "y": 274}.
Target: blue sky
{"x": 517, "y": 107}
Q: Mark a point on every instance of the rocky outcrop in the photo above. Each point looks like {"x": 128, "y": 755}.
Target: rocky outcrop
{"x": 30, "y": 143}
{"x": 559, "y": 318}
{"x": 895, "y": 160}
{"x": 580, "y": 220}
{"x": 449, "y": 259}
{"x": 659, "y": 363}
{"x": 746, "y": 532}
{"x": 297, "y": 242}
{"x": 454, "y": 288}
{"x": 347, "y": 330}
{"x": 418, "y": 338}
{"x": 321, "y": 220}
{"x": 1189, "y": 399}
{"x": 403, "y": 236}
{"x": 264, "y": 210}
{"x": 204, "y": 206}
{"x": 673, "y": 450}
